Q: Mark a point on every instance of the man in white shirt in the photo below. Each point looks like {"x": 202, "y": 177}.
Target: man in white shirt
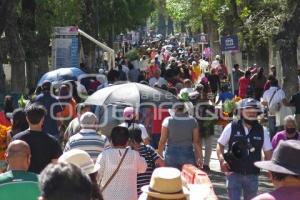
{"x": 246, "y": 138}
{"x": 273, "y": 98}
{"x": 216, "y": 62}
{"x": 157, "y": 79}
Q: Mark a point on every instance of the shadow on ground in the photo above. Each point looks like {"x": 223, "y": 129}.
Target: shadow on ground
{"x": 219, "y": 184}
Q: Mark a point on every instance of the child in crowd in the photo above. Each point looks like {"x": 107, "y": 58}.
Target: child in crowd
{"x": 148, "y": 153}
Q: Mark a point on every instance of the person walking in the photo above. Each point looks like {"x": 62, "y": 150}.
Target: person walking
{"x": 148, "y": 153}
{"x": 64, "y": 181}
{"x": 17, "y": 182}
{"x": 74, "y": 125}
{"x": 258, "y": 81}
{"x": 273, "y": 99}
{"x": 204, "y": 112}
{"x": 84, "y": 161}
{"x": 245, "y": 138}
{"x": 244, "y": 84}
{"x": 52, "y": 106}
{"x": 87, "y": 139}
{"x": 180, "y": 131}
{"x": 44, "y": 147}
{"x": 7, "y": 108}
{"x": 237, "y": 73}
{"x": 289, "y": 133}
{"x": 285, "y": 172}
{"x": 130, "y": 120}
{"x": 119, "y": 166}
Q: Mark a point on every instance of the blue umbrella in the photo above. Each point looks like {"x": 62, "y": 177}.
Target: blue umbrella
{"x": 61, "y": 74}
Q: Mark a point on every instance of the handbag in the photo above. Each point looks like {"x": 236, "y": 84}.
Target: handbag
{"x": 116, "y": 171}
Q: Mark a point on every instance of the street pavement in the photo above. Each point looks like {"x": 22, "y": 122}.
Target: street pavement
{"x": 218, "y": 178}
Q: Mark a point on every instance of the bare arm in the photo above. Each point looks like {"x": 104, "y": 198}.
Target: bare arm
{"x": 163, "y": 140}
{"x": 268, "y": 154}
{"x": 148, "y": 120}
{"x": 146, "y": 141}
{"x": 286, "y": 102}
{"x": 197, "y": 142}
{"x": 220, "y": 153}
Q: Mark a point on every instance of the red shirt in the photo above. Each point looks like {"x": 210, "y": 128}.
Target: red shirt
{"x": 3, "y": 120}
{"x": 152, "y": 69}
{"x": 158, "y": 116}
{"x": 244, "y": 83}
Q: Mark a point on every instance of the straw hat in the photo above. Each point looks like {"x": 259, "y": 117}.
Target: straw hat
{"x": 81, "y": 159}
{"x": 166, "y": 184}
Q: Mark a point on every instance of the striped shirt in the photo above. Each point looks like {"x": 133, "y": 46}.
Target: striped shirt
{"x": 88, "y": 140}
{"x": 150, "y": 156}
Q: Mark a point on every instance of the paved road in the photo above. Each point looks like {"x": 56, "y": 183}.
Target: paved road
{"x": 218, "y": 178}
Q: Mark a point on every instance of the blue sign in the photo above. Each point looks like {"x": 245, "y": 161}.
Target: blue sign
{"x": 65, "y": 47}
{"x": 74, "y": 57}
{"x": 229, "y": 43}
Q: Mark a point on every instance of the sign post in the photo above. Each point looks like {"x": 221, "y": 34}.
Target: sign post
{"x": 65, "y": 47}
{"x": 203, "y": 40}
{"x": 229, "y": 44}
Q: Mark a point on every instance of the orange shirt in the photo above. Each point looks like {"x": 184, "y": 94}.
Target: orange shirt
{"x": 69, "y": 111}
{"x": 3, "y": 120}
{"x": 3, "y": 141}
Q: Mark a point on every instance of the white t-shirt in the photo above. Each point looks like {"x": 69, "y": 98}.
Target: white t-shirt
{"x": 215, "y": 64}
{"x": 204, "y": 66}
{"x": 277, "y": 98}
{"x": 124, "y": 184}
{"x": 188, "y": 90}
{"x": 159, "y": 81}
{"x": 140, "y": 126}
{"x": 225, "y": 137}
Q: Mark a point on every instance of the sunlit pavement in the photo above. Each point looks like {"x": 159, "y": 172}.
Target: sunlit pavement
{"x": 218, "y": 178}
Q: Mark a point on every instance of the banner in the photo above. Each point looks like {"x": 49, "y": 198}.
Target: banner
{"x": 229, "y": 43}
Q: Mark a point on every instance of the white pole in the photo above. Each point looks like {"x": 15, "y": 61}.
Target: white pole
{"x": 103, "y": 46}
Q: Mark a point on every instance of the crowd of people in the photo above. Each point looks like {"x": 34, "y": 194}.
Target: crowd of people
{"x": 59, "y": 137}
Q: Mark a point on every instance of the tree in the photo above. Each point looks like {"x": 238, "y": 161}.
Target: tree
{"x": 286, "y": 39}
{"x": 6, "y": 9}
{"x": 16, "y": 53}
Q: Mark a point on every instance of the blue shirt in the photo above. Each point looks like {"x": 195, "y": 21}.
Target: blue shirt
{"x": 225, "y": 96}
{"x": 53, "y": 107}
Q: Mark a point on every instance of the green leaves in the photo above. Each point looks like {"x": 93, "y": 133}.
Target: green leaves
{"x": 179, "y": 10}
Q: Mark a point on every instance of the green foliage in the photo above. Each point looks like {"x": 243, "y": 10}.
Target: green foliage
{"x": 132, "y": 55}
{"x": 179, "y": 10}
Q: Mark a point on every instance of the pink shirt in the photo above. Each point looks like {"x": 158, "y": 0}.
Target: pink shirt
{"x": 283, "y": 193}
{"x": 281, "y": 136}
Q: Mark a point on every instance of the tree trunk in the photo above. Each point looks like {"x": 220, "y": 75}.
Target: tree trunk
{"x": 6, "y": 9}
{"x": 27, "y": 31}
{"x": 89, "y": 27}
{"x": 17, "y": 55}
{"x": 2, "y": 78}
{"x": 170, "y": 26}
{"x": 3, "y": 55}
{"x": 288, "y": 52}
{"x": 262, "y": 57}
{"x": 287, "y": 43}
{"x": 161, "y": 29}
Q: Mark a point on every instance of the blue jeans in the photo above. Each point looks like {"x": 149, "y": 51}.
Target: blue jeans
{"x": 177, "y": 156}
{"x": 155, "y": 140}
{"x": 237, "y": 183}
